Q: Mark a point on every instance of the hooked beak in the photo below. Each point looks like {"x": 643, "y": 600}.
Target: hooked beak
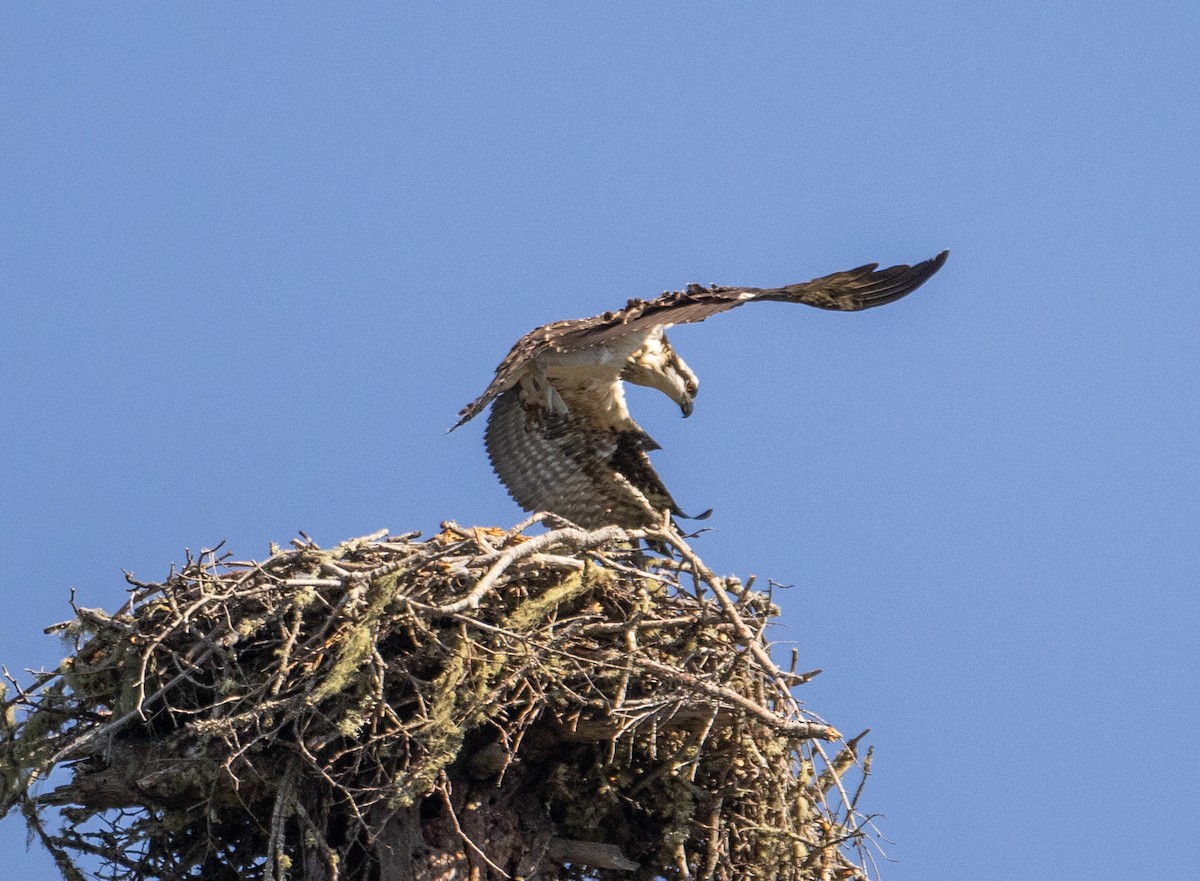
{"x": 686, "y": 406}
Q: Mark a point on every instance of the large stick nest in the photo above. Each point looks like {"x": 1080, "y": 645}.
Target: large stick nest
{"x": 243, "y": 719}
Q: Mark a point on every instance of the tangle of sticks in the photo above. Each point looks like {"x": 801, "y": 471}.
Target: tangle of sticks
{"x": 481, "y": 704}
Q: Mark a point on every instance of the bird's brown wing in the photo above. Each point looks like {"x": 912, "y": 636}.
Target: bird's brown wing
{"x": 565, "y": 464}
{"x": 515, "y": 363}
{"x": 848, "y": 291}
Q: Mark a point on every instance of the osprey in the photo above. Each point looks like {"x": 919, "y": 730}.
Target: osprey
{"x": 560, "y": 436}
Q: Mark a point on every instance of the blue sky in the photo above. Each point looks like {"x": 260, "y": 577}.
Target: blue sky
{"x": 255, "y": 258}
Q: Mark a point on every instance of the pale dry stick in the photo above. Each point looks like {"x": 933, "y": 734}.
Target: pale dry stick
{"x": 863, "y": 851}
{"x": 231, "y": 722}
{"x": 627, "y": 722}
{"x": 558, "y": 561}
{"x": 837, "y": 780}
{"x": 712, "y": 851}
{"x": 381, "y": 666}
{"x": 560, "y": 526}
{"x": 647, "y": 624}
{"x": 304, "y": 543}
{"x": 398, "y": 543}
{"x": 354, "y": 544}
{"x": 284, "y": 797}
{"x": 481, "y": 540}
{"x": 536, "y": 517}
{"x": 336, "y": 570}
{"x": 310, "y": 581}
{"x": 866, "y": 772}
{"x": 756, "y": 754}
{"x": 24, "y": 696}
{"x": 575, "y": 538}
{"x": 631, "y": 647}
{"x": 250, "y": 568}
{"x": 617, "y": 566}
{"x": 846, "y": 757}
{"x": 464, "y": 533}
{"x": 369, "y": 575}
{"x": 285, "y": 653}
{"x": 794, "y": 727}
{"x": 700, "y": 741}
{"x": 98, "y": 618}
{"x": 521, "y": 726}
{"x": 741, "y": 628}
{"x": 681, "y": 862}
{"x": 444, "y": 791}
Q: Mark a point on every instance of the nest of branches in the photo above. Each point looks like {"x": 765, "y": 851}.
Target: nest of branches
{"x": 479, "y": 704}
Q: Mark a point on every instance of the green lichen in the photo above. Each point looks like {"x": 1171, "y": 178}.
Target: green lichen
{"x": 354, "y": 651}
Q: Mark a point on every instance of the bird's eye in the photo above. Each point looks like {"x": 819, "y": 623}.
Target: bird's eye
{"x": 690, "y": 387}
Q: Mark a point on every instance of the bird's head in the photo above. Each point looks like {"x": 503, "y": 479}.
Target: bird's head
{"x": 656, "y": 365}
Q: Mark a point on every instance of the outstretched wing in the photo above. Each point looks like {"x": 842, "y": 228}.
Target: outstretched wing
{"x": 564, "y": 463}
{"x": 509, "y": 373}
{"x": 861, "y": 288}
{"x": 849, "y": 291}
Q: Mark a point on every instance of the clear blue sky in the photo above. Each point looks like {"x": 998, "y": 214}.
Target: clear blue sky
{"x": 255, "y": 257}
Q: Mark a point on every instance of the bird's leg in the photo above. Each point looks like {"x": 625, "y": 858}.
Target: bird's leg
{"x": 545, "y": 389}
{"x": 539, "y": 398}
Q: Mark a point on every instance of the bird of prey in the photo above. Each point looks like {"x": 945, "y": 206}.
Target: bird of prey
{"x": 560, "y": 436}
